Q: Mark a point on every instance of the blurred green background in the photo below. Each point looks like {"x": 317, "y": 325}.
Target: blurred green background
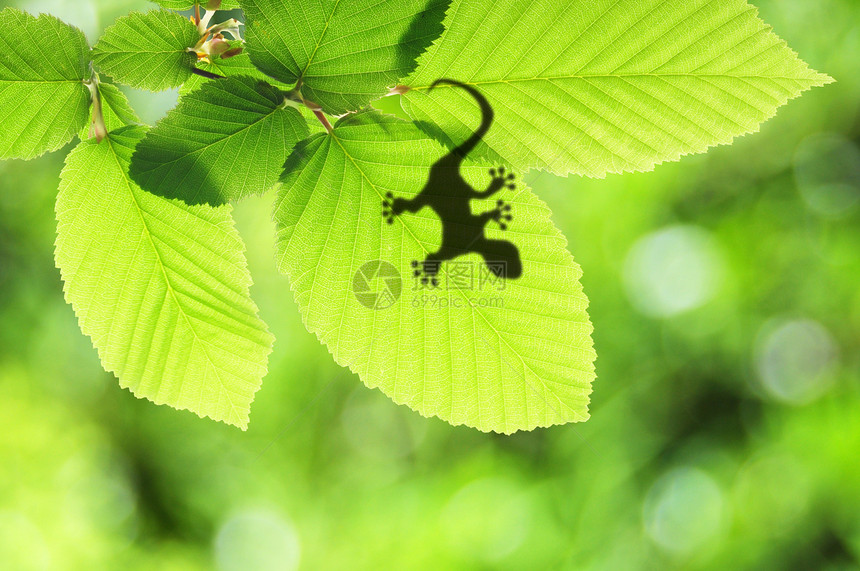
{"x": 725, "y": 428}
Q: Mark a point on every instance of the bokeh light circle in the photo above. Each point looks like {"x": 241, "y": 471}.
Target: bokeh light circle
{"x": 684, "y": 510}
{"x": 673, "y": 270}
{"x": 795, "y": 360}
{"x": 258, "y": 540}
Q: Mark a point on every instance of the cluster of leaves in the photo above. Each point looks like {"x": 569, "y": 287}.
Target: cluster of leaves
{"x": 146, "y": 244}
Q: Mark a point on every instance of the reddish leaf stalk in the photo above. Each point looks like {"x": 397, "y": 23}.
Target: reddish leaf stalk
{"x": 323, "y": 119}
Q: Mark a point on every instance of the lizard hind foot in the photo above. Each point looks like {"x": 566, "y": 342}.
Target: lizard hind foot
{"x": 502, "y": 214}
{"x": 388, "y": 212}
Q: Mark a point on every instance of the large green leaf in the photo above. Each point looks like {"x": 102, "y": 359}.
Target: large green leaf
{"x": 227, "y": 140}
{"x": 500, "y": 361}
{"x": 605, "y": 86}
{"x": 43, "y": 100}
{"x": 345, "y": 53}
{"x": 160, "y": 287}
{"x": 148, "y": 50}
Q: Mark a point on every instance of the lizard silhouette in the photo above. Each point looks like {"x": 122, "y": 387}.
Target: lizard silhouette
{"x": 449, "y": 195}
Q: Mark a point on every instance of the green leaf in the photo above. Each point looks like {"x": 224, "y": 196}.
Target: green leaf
{"x": 241, "y": 65}
{"x": 516, "y": 367}
{"x": 605, "y": 86}
{"x": 208, "y": 4}
{"x": 225, "y": 141}
{"x": 116, "y": 110}
{"x": 230, "y": 67}
{"x": 148, "y": 50}
{"x": 160, "y": 287}
{"x": 345, "y": 53}
{"x": 43, "y": 100}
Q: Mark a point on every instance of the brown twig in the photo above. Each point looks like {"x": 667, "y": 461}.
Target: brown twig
{"x": 324, "y": 120}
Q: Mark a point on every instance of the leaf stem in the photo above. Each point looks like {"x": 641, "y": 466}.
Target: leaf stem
{"x": 205, "y": 20}
{"x": 323, "y": 119}
{"x": 295, "y": 95}
{"x": 206, "y": 74}
{"x": 99, "y": 129}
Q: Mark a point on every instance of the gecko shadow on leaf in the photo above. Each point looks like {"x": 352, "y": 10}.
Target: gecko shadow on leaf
{"x": 449, "y": 195}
